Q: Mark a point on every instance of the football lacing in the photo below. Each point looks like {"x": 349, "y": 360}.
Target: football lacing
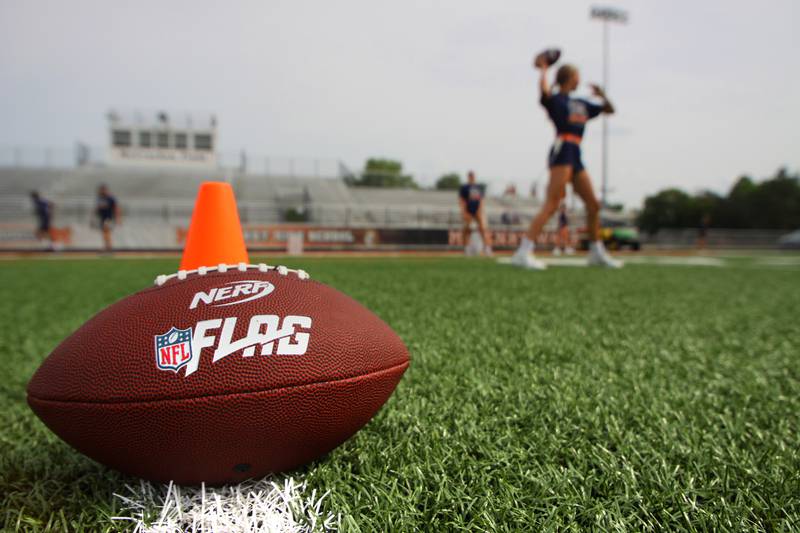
{"x": 241, "y": 267}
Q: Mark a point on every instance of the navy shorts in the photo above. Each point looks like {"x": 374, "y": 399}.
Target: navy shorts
{"x": 473, "y": 208}
{"x": 566, "y": 153}
{"x": 106, "y": 222}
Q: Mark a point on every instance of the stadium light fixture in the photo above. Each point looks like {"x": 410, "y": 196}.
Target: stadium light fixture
{"x": 606, "y": 15}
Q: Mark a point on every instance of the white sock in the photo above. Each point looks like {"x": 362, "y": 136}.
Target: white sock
{"x": 526, "y": 246}
{"x": 597, "y": 247}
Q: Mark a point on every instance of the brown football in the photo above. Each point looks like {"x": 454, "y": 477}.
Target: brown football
{"x": 550, "y": 57}
{"x": 218, "y": 375}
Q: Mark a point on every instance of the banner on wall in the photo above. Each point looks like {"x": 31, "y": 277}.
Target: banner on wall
{"x": 329, "y": 237}
{"x": 23, "y": 236}
{"x": 507, "y": 238}
{"x": 156, "y": 236}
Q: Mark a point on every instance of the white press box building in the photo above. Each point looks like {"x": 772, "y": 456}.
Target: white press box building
{"x": 162, "y": 139}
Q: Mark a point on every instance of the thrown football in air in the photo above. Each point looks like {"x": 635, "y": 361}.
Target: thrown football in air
{"x": 218, "y": 375}
{"x": 549, "y": 57}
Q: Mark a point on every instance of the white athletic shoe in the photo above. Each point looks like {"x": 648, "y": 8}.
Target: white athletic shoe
{"x": 474, "y": 245}
{"x": 569, "y": 250}
{"x": 602, "y": 259}
{"x": 556, "y": 251}
{"x": 527, "y": 261}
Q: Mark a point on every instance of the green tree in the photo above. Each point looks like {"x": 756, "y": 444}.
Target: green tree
{"x": 775, "y": 203}
{"x": 667, "y": 209}
{"x": 383, "y": 173}
{"x": 735, "y": 210}
{"x": 449, "y": 182}
{"x": 706, "y": 204}
{"x": 771, "y": 204}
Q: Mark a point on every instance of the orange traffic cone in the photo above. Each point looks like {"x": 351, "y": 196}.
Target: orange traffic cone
{"x": 215, "y": 233}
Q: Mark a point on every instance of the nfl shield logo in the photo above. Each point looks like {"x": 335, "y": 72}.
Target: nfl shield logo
{"x": 174, "y": 349}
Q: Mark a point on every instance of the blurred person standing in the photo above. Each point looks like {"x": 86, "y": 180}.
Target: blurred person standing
{"x": 562, "y": 236}
{"x": 702, "y": 231}
{"x": 107, "y": 212}
{"x": 470, "y": 200}
{"x": 43, "y": 210}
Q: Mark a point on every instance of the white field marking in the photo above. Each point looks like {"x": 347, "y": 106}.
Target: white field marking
{"x": 779, "y": 260}
{"x": 565, "y": 261}
{"x": 253, "y": 506}
{"x": 630, "y": 259}
{"x": 674, "y": 260}
{"x": 552, "y": 261}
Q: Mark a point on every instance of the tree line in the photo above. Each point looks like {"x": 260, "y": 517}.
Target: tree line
{"x": 389, "y": 173}
{"x": 773, "y": 203}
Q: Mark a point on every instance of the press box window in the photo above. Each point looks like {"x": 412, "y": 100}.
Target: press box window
{"x": 163, "y": 140}
{"x": 145, "y": 139}
{"x": 121, "y": 137}
{"x": 180, "y": 140}
{"x": 202, "y": 142}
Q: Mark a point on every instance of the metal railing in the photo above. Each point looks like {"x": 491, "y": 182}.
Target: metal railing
{"x": 178, "y": 213}
{"x": 81, "y": 210}
{"x": 81, "y": 155}
{"x": 27, "y": 156}
{"x": 715, "y": 238}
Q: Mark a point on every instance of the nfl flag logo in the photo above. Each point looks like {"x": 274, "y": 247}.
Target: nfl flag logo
{"x": 174, "y": 349}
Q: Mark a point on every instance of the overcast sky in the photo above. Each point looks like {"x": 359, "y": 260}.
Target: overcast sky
{"x": 705, "y": 91}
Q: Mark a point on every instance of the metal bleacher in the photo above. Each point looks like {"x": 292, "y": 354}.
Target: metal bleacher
{"x": 167, "y": 196}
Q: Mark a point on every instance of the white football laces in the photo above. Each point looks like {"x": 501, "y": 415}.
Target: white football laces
{"x": 222, "y": 267}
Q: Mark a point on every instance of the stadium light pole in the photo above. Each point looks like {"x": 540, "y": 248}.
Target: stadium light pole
{"x": 606, "y": 15}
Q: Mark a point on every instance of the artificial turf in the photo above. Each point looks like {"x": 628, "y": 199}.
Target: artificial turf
{"x": 651, "y": 398}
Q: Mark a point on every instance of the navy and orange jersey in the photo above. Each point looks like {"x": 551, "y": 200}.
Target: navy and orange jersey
{"x": 43, "y": 209}
{"x": 563, "y": 221}
{"x": 106, "y": 207}
{"x": 472, "y": 195}
{"x": 569, "y": 114}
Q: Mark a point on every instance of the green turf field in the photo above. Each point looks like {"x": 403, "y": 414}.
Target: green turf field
{"x": 651, "y": 398}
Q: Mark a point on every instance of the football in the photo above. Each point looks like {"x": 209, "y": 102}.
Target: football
{"x": 549, "y": 57}
{"x": 219, "y": 374}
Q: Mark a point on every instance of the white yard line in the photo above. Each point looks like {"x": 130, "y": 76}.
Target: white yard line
{"x": 255, "y": 506}
{"x": 565, "y": 261}
{"x": 551, "y": 261}
{"x": 779, "y": 260}
{"x": 631, "y": 259}
{"x": 675, "y": 260}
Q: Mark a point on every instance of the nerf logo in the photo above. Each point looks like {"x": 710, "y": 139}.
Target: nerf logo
{"x": 266, "y": 334}
{"x": 235, "y": 292}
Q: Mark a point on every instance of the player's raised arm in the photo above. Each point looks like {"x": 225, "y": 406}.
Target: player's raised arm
{"x": 544, "y": 87}
{"x": 608, "y": 107}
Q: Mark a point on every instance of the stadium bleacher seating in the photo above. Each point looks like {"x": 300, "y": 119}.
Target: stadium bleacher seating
{"x": 149, "y": 195}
